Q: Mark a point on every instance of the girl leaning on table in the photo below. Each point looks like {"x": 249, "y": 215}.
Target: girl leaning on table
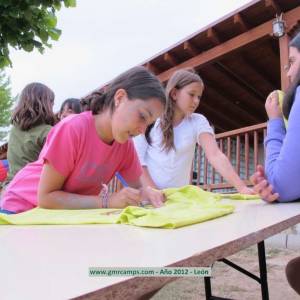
{"x": 280, "y": 178}
{"x": 167, "y": 150}
{"x": 84, "y": 151}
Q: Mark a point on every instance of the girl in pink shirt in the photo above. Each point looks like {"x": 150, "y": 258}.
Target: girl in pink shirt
{"x": 84, "y": 151}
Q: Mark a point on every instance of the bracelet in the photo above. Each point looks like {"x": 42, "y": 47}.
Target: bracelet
{"x": 104, "y": 196}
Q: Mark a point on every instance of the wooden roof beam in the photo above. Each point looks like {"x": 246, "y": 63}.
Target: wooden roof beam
{"x": 260, "y": 74}
{"x": 284, "y": 60}
{"x": 225, "y": 96}
{"x": 274, "y": 50}
{"x": 190, "y": 48}
{"x": 218, "y": 51}
{"x": 214, "y": 120}
{"x": 220, "y": 115}
{"x": 152, "y": 68}
{"x": 273, "y": 5}
{"x": 240, "y": 116}
{"x": 239, "y": 41}
{"x": 216, "y": 125}
{"x": 238, "y": 20}
{"x": 243, "y": 83}
{"x": 293, "y": 29}
{"x": 170, "y": 59}
{"x": 213, "y": 36}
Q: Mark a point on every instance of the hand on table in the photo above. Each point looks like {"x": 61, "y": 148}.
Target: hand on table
{"x": 262, "y": 186}
{"x": 154, "y": 196}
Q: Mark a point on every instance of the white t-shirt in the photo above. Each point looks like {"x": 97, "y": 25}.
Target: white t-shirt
{"x": 172, "y": 169}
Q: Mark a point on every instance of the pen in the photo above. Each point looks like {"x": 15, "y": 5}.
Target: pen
{"x": 125, "y": 184}
{"x": 123, "y": 181}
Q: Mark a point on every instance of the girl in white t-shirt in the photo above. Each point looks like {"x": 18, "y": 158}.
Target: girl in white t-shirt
{"x": 166, "y": 151}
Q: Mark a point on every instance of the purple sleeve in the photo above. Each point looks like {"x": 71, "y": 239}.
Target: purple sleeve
{"x": 282, "y": 165}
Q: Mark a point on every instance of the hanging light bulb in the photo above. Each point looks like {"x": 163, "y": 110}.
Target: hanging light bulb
{"x": 278, "y": 27}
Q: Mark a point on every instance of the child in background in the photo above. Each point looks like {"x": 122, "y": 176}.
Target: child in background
{"x": 167, "y": 151}
{"x": 83, "y": 152}
{"x": 3, "y": 163}
{"x": 69, "y": 106}
{"x": 3, "y": 169}
{"x": 32, "y": 119}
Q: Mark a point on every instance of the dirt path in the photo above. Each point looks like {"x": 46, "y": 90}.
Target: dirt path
{"x": 227, "y": 282}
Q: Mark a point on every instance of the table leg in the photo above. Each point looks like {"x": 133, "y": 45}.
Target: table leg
{"x": 263, "y": 270}
{"x": 262, "y": 279}
{"x": 207, "y": 285}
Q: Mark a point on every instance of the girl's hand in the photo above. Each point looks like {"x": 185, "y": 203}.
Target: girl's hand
{"x": 272, "y": 106}
{"x": 125, "y": 197}
{"x": 261, "y": 185}
{"x": 156, "y": 197}
{"x": 246, "y": 190}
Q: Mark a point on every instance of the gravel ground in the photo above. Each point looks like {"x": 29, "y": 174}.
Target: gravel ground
{"x": 227, "y": 282}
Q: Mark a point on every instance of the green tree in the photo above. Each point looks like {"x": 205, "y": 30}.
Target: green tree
{"x": 6, "y": 103}
{"x": 28, "y": 24}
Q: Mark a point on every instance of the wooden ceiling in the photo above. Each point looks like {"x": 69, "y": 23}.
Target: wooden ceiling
{"x": 238, "y": 59}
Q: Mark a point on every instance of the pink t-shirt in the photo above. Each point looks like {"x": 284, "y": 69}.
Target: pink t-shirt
{"x": 75, "y": 150}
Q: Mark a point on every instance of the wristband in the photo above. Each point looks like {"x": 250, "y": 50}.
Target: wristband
{"x": 104, "y": 196}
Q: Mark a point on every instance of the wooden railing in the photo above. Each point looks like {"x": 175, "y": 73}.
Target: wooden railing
{"x": 243, "y": 147}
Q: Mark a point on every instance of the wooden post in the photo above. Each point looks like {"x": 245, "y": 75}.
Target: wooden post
{"x": 284, "y": 60}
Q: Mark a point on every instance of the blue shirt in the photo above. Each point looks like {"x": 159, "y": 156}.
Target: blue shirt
{"x": 282, "y": 165}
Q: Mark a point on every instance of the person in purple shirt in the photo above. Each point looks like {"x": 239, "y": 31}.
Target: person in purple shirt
{"x": 280, "y": 178}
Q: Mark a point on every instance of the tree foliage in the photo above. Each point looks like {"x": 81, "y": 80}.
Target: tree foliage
{"x": 28, "y": 24}
{"x": 6, "y": 103}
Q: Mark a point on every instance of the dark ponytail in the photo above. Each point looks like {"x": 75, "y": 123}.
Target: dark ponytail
{"x": 88, "y": 102}
{"x": 138, "y": 83}
{"x": 97, "y": 103}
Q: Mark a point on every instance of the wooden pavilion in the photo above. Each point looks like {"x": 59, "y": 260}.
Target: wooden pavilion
{"x": 239, "y": 59}
{"x": 241, "y": 62}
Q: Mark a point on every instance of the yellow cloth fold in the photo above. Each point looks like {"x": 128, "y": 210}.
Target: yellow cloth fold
{"x": 184, "y": 206}
{"x": 280, "y": 100}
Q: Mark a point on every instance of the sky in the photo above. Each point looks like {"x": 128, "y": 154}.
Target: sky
{"x": 101, "y": 39}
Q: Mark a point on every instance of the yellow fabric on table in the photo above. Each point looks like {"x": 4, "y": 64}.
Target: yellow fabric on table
{"x": 184, "y": 206}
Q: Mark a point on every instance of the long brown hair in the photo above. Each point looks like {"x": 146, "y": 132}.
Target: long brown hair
{"x": 289, "y": 98}
{"x": 34, "y": 107}
{"x": 178, "y": 80}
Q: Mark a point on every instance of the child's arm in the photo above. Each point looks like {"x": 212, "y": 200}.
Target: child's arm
{"x": 221, "y": 163}
{"x": 148, "y": 192}
{"x": 51, "y": 196}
